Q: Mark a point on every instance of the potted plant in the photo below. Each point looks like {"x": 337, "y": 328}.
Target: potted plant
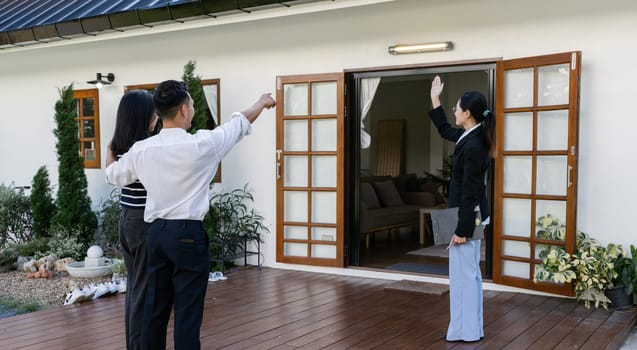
{"x": 591, "y": 268}
{"x": 232, "y": 225}
{"x": 119, "y": 269}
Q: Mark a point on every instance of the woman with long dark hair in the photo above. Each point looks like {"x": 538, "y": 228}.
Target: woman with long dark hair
{"x": 467, "y": 191}
{"x": 136, "y": 120}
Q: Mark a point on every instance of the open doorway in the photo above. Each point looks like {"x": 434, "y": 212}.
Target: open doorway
{"x": 399, "y": 166}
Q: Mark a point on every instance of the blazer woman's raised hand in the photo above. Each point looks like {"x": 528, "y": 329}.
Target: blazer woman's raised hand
{"x": 436, "y": 89}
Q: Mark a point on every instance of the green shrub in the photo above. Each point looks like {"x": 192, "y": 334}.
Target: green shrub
{"x": 42, "y": 204}
{"x": 64, "y": 243}
{"x": 16, "y": 221}
{"x": 232, "y": 223}
{"x": 74, "y": 205}
{"x": 9, "y": 256}
{"x": 35, "y": 248}
{"x": 108, "y": 233}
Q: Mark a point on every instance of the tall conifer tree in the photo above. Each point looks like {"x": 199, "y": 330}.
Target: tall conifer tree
{"x": 74, "y": 204}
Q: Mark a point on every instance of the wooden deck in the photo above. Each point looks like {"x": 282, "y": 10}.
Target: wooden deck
{"x": 279, "y": 309}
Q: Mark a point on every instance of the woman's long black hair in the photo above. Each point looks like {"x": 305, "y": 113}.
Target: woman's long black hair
{"x": 476, "y": 103}
{"x": 134, "y": 114}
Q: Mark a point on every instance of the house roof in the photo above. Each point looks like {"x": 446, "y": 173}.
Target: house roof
{"x": 26, "y": 22}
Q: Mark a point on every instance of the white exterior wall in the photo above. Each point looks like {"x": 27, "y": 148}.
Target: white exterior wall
{"x": 247, "y": 56}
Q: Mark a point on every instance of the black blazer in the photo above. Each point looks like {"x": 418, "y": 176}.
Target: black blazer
{"x": 470, "y": 163}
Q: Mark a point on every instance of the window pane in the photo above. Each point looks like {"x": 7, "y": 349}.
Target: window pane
{"x": 517, "y": 174}
{"x": 324, "y": 98}
{"x": 295, "y": 99}
{"x": 324, "y": 207}
{"x": 541, "y": 247}
{"x": 88, "y": 126}
{"x": 518, "y": 131}
{"x": 515, "y": 269}
{"x": 516, "y": 217}
{"x": 295, "y": 203}
{"x": 550, "y": 220}
{"x": 295, "y": 249}
{"x": 295, "y": 171}
{"x": 324, "y": 234}
{"x": 519, "y": 88}
{"x": 551, "y": 175}
{"x": 89, "y": 150}
{"x": 88, "y": 107}
{"x": 552, "y": 130}
{"x": 324, "y": 135}
{"x": 553, "y": 84}
{"x": 295, "y": 138}
{"x": 324, "y": 251}
{"x": 516, "y": 248}
{"x": 294, "y": 232}
{"x": 324, "y": 171}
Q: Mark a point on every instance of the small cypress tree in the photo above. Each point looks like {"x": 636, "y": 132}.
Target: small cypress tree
{"x": 193, "y": 82}
{"x": 42, "y": 205}
{"x": 74, "y": 204}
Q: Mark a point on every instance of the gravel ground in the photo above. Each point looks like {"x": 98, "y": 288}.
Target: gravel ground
{"x": 49, "y": 292}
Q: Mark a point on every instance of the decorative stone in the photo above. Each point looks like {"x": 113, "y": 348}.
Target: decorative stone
{"x": 30, "y": 266}
{"x": 95, "y": 252}
{"x": 60, "y": 264}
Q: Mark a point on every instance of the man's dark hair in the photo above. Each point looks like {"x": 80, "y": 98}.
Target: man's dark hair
{"x": 168, "y": 96}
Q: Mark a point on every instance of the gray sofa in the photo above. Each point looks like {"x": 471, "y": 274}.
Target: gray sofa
{"x": 388, "y": 203}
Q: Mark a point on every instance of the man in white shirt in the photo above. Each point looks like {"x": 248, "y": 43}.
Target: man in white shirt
{"x": 176, "y": 168}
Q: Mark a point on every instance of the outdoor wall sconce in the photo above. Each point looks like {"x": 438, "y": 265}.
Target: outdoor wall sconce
{"x": 102, "y": 80}
{"x": 400, "y": 49}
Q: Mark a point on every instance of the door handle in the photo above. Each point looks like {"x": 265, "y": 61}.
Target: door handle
{"x": 568, "y": 176}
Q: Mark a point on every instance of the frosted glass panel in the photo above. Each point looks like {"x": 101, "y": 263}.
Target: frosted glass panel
{"x": 324, "y": 171}
{"x": 323, "y": 251}
{"x": 551, "y": 175}
{"x": 324, "y": 207}
{"x": 295, "y": 249}
{"x": 540, "y": 247}
{"x": 324, "y": 234}
{"x": 295, "y": 99}
{"x": 324, "y": 135}
{"x": 295, "y": 171}
{"x": 516, "y": 217}
{"x": 515, "y": 269}
{"x": 324, "y": 98}
{"x": 518, "y": 131}
{"x": 294, "y": 232}
{"x": 519, "y": 88}
{"x": 516, "y": 248}
{"x": 517, "y": 174}
{"x": 551, "y": 219}
{"x": 295, "y": 203}
{"x": 552, "y": 130}
{"x": 295, "y": 132}
{"x": 553, "y": 85}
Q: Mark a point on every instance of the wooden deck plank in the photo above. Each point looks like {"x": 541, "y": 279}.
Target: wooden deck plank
{"x": 281, "y": 309}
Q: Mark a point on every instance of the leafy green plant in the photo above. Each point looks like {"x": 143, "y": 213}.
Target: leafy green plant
{"x": 626, "y": 270}
{"x": 9, "y": 256}
{"x": 231, "y": 222}
{"x": 74, "y": 205}
{"x": 35, "y": 248}
{"x": 64, "y": 242}
{"x": 119, "y": 267}
{"x": 108, "y": 233}
{"x": 591, "y": 268}
{"x": 16, "y": 220}
{"x": 41, "y": 201}
{"x": 550, "y": 228}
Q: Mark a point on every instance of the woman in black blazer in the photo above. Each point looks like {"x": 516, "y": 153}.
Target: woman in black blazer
{"x": 467, "y": 191}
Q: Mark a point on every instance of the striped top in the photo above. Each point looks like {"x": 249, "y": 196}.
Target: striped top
{"x": 133, "y": 195}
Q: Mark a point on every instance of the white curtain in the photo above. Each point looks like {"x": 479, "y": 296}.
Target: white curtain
{"x": 368, "y": 90}
{"x": 210, "y": 93}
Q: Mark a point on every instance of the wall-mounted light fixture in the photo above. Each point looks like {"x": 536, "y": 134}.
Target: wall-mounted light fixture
{"x": 417, "y": 48}
{"x": 102, "y": 80}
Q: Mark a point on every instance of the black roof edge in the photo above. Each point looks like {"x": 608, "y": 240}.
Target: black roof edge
{"x": 135, "y": 18}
